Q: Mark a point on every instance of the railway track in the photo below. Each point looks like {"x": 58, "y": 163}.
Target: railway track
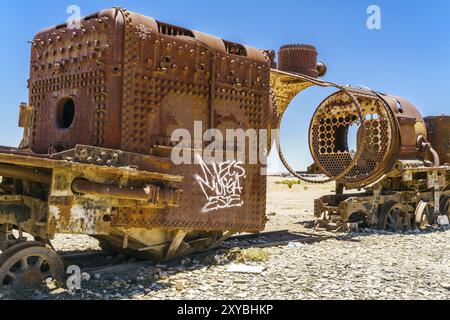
{"x": 100, "y": 262}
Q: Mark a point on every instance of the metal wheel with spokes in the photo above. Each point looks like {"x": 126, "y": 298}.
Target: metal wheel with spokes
{"x": 424, "y": 214}
{"x": 29, "y": 264}
{"x": 394, "y": 217}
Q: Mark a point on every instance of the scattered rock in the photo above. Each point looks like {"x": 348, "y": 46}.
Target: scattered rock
{"x": 295, "y": 245}
{"x": 179, "y": 285}
{"x": 221, "y": 259}
{"x": 445, "y": 285}
{"x": 58, "y": 291}
{"x": 245, "y": 268}
{"x": 241, "y": 295}
{"x": 85, "y": 276}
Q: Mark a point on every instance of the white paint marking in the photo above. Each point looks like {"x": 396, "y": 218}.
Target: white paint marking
{"x": 221, "y": 184}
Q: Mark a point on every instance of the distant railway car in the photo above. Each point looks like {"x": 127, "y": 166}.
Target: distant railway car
{"x": 400, "y": 163}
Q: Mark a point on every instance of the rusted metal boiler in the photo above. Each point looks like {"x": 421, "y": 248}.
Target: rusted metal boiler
{"x": 399, "y": 161}
{"x": 104, "y": 100}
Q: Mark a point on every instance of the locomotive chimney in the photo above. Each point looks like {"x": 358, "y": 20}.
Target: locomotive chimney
{"x": 302, "y": 59}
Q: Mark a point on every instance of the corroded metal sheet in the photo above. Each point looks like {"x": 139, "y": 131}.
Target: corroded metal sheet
{"x": 439, "y": 136}
{"x": 170, "y": 81}
{"x": 80, "y": 67}
{"x": 66, "y": 209}
{"x": 285, "y": 87}
{"x": 190, "y": 215}
{"x": 110, "y": 95}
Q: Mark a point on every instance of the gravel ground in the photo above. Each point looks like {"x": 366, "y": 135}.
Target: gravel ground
{"x": 368, "y": 265}
{"x": 362, "y": 267}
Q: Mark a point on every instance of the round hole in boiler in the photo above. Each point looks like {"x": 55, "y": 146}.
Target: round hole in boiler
{"x": 65, "y": 113}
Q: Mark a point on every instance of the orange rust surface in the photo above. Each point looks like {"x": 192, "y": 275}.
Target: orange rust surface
{"x": 105, "y": 101}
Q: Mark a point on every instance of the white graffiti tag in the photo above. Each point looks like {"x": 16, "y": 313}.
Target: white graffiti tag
{"x": 221, "y": 185}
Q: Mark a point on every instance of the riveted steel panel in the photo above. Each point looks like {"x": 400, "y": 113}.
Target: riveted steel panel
{"x": 131, "y": 81}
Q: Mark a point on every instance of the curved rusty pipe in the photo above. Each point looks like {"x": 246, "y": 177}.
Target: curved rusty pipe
{"x": 424, "y": 145}
{"x": 436, "y": 160}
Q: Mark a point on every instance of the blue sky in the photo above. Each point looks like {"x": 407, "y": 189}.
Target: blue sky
{"x": 409, "y": 56}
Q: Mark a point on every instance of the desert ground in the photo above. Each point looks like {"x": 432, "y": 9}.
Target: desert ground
{"x": 365, "y": 265}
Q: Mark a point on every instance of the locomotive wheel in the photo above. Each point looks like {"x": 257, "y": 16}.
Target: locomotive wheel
{"x": 29, "y": 264}
{"x": 424, "y": 214}
{"x": 394, "y": 218}
{"x": 444, "y": 206}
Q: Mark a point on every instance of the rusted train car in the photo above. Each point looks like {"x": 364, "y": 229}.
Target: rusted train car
{"x": 96, "y": 155}
{"x": 104, "y": 100}
{"x": 400, "y": 169}
{"x": 399, "y": 166}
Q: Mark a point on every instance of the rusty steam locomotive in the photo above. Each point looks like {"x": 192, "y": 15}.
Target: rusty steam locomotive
{"x": 400, "y": 166}
{"x": 95, "y": 158}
